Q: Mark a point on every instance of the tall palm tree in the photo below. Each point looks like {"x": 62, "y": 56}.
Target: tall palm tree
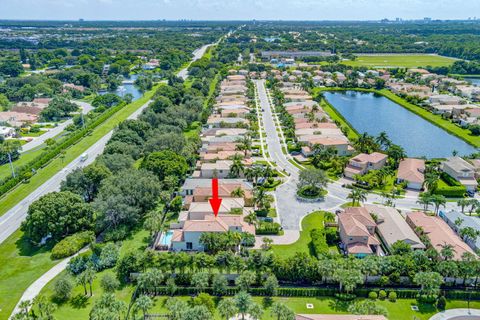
{"x": 473, "y": 203}
{"x": 425, "y": 199}
{"x": 383, "y": 140}
{"x": 143, "y": 303}
{"x": 438, "y": 201}
{"x": 227, "y": 308}
{"x": 431, "y": 181}
{"x": 396, "y": 154}
{"x": 462, "y": 203}
{"x": 237, "y": 168}
{"x": 357, "y": 195}
{"x": 447, "y": 252}
{"x": 244, "y": 144}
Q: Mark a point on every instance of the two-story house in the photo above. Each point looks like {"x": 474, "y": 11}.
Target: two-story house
{"x": 462, "y": 171}
{"x": 363, "y": 163}
{"x": 357, "y": 232}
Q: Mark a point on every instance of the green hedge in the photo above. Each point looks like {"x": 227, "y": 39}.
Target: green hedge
{"x": 72, "y": 244}
{"x": 319, "y": 241}
{"x": 317, "y": 292}
{"x": 24, "y": 172}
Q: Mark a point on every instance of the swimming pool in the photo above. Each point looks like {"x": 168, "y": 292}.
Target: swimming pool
{"x": 166, "y": 238}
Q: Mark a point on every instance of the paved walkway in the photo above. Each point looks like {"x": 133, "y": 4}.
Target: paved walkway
{"x": 458, "y": 314}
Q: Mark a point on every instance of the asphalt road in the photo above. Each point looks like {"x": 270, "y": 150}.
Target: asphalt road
{"x": 38, "y": 141}
{"x": 290, "y": 210}
{"x": 12, "y": 220}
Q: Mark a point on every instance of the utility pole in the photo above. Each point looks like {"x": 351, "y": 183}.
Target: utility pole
{"x": 11, "y": 164}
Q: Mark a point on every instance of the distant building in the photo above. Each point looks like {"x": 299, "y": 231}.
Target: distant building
{"x": 462, "y": 171}
{"x": 294, "y": 54}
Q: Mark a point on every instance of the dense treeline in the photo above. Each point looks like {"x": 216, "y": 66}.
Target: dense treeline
{"x": 456, "y": 39}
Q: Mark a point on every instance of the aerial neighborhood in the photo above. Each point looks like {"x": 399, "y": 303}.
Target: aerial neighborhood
{"x": 239, "y": 170}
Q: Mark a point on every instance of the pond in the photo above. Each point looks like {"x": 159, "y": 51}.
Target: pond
{"x": 473, "y": 80}
{"x": 127, "y": 87}
{"x": 372, "y": 113}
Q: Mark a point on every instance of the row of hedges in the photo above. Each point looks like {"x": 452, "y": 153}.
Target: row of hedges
{"x": 316, "y": 292}
{"x": 72, "y": 244}
{"x": 268, "y": 228}
{"x": 25, "y": 172}
{"x": 319, "y": 241}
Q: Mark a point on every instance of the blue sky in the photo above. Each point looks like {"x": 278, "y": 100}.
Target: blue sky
{"x": 237, "y": 9}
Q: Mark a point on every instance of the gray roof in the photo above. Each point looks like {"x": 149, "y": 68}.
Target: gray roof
{"x": 192, "y": 183}
{"x": 468, "y": 221}
{"x": 392, "y": 227}
{"x": 458, "y": 164}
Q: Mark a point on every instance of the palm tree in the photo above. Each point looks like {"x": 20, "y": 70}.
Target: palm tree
{"x": 237, "y": 193}
{"x": 365, "y": 143}
{"x": 244, "y": 144}
{"x": 237, "y": 168}
{"x": 473, "y": 203}
{"x": 425, "y": 199}
{"x": 90, "y": 276}
{"x": 357, "y": 195}
{"x": 431, "y": 180}
{"x": 243, "y": 302}
{"x": 383, "y": 140}
{"x": 261, "y": 199}
{"x": 143, "y": 303}
{"x": 396, "y": 154}
{"x": 462, "y": 203}
{"x": 438, "y": 201}
{"x": 447, "y": 252}
{"x": 227, "y": 308}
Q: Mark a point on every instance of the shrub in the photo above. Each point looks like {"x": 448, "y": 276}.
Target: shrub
{"x": 331, "y": 236}
{"x": 62, "y": 289}
{"x": 319, "y": 242}
{"x": 108, "y": 256}
{"x": 441, "y": 303}
{"x": 79, "y": 263}
{"x": 72, "y": 244}
{"x": 248, "y": 239}
{"x": 268, "y": 228}
{"x": 345, "y": 296}
{"x": 382, "y": 294}
{"x": 392, "y": 296}
{"x": 372, "y": 295}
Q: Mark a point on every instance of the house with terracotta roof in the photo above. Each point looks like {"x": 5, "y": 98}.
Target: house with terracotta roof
{"x": 357, "y": 232}
{"x": 411, "y": 171}
{"x": 362, "y": 163}
{"x": 17, "y": 119}
{"x": 392, "y": 227}
{"x": 462, "y": 171}
{"x": 438, "y": 232}
{"x": 188, "y": 237}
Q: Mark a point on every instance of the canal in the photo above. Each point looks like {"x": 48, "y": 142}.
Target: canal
{"x": 373, "y": 113}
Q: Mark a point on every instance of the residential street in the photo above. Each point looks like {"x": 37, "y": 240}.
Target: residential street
{"x": 38, "y": 141}
{"x": 290, "y": 210}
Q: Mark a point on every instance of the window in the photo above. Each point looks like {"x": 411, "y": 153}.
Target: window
{"x": 189, "y": 246}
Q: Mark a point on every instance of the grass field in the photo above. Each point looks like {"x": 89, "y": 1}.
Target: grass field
{"x": 312, "y": 221}
{"x": 400, "y": 61}
{"x": 24, "y": 159}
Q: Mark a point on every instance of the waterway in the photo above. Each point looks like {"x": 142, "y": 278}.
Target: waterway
{"x": 373, "y": 113}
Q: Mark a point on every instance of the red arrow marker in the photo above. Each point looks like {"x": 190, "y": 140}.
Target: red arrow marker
{"x": 215, "y": 201}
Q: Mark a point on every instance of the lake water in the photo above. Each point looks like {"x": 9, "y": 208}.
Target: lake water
{"x": 127, "y": 88}
{"x": 473, "y": 80}
{"x": 372, "y": 113}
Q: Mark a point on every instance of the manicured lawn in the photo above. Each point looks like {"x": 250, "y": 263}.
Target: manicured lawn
{"x": 25, "y": 158}
{"x": 79, "y": 306}
{"x": 336, "y": 116}
{"x": 12, "y": 198}
{"x": 399, "y": 310}
{"x": 395, "y": 61}
{"x": 303, "y": 244}
{"x": 20, "y": 266}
